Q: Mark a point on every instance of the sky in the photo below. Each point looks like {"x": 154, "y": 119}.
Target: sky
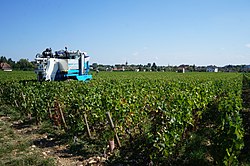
{"x": 167, "y": 32}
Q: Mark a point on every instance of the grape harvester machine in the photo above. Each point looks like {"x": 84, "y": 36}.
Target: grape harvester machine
{"x": 62, "y": 65}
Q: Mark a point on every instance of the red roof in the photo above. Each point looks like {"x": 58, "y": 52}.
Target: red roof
{"x": 5, "y": 66}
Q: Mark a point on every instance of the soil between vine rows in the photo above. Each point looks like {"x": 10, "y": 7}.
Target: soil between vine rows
{"x": 37, "y": 146}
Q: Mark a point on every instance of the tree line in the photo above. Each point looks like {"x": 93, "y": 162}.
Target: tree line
{"x": 22, "y": 64}
{"x": 168, "y": 68}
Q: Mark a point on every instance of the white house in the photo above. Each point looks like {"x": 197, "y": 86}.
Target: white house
{"x": 212, "y": 69}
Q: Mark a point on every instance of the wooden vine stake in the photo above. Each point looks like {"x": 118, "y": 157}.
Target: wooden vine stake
{"x": 62, "y": 116}
{"x": 16, "y": 103}
{"x": 49, "y": 110}
{"x": 113, "y": 128}
{"x": 87, "y": 125}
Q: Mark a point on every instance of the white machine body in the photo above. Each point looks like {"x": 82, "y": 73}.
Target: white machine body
{"x": 62, "y": 65}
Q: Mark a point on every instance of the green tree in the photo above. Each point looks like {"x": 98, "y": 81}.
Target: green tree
{"x": 11, "y": 62}
{"x": 3, "y": 59}
{"x": 94, "y": 65}
{"x": 149, "y": 65}
{"x": 154, "y": 67}
{"x": 24, "y": 64}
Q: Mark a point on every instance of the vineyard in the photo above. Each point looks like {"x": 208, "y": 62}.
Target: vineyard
{"x": 158, "y": 117}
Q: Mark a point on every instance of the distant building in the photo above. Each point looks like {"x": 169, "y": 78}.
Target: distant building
{"x": 119, "y": 68}
{"x": 246, "y": 68}
{"x": 212, "y": 69}
{"x": 182, "y": 68}
{"x": 5, "y": 67}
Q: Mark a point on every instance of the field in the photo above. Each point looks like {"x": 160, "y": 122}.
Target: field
{"x": 159, "y": 117}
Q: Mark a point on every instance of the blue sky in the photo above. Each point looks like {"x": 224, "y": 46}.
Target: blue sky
{"x": 174, "y": 32}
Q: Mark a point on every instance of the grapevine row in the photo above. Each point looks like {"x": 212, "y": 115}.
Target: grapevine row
{"x": 164, "y": 112}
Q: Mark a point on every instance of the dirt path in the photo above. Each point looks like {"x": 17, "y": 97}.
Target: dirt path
{"x": 40, "y": 143}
